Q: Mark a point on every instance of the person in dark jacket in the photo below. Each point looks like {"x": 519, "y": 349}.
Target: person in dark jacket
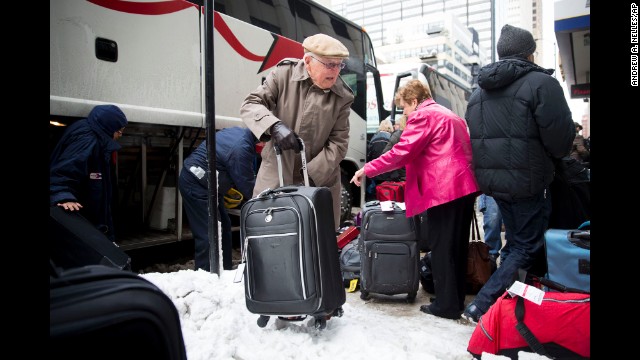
{"x": 398, "y": 174}
{"x": 519, "y": 122}
{"x": 80, "y": 166}
{"x": 579, "y": 149}
{"x": 235, "y": 156}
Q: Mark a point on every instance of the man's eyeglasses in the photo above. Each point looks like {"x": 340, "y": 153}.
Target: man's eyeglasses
{"x": 120, "y": 131}
{"x": 331, "y": 66}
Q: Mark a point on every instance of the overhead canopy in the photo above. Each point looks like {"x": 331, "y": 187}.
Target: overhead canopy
{"x": 572, "y": 27}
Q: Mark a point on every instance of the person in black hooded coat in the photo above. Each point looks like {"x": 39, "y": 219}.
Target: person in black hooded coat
{"x": 80, "y": 166}
{"x": 520, "y": 124}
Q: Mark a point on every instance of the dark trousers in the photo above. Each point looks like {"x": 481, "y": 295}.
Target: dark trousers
{"x": 447, "y": 234}
{"x": 526, "y": 221}
{"x": 196, "y": 205}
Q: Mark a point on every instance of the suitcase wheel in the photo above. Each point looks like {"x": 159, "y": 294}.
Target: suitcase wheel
{"x": 338, "y": 312}
{"x": 411, "y": 297}
{"x": 364, "y": 295}
{"x": 320, "y": 323}
{"x": 263, "y": 320}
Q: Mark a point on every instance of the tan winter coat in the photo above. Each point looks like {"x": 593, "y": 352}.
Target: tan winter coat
{"x": 319, "y": 117}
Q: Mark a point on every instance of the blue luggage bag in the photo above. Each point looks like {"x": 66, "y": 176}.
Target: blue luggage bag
{"x": 569, "y": 256}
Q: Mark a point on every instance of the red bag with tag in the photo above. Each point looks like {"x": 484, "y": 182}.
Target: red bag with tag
{"x": 390, "y": 190}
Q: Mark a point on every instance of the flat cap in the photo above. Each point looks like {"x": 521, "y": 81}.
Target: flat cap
{"x": 325, "y": 45}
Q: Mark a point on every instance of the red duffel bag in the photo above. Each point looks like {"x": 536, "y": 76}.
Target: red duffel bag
{"x": 559, "y": 328}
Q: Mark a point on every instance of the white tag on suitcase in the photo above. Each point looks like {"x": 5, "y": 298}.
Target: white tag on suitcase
{"x": 239, "y": 273}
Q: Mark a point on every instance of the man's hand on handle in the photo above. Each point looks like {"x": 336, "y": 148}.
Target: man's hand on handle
{"x": 284, "y": 137}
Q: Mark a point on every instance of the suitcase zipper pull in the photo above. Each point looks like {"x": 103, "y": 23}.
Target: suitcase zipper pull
{"x": 268, "y": 215}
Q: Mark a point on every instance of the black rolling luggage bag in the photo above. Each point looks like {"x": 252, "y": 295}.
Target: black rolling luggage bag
{"x": 98, "y": 312}
{"x": 389, "y": 252}
{"x": 74, "y": 242}
{"x": 290, "y": 252}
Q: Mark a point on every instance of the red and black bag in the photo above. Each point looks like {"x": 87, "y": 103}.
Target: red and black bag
{"x": 390, "y": 190}
{"x": 559, "y": 328}
{"x": 347, "y": 235}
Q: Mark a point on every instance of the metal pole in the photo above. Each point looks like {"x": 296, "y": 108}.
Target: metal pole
{"x": 555, "y": 61}
{"x": 493, "y": 30}
{"x": 210, "y": 106}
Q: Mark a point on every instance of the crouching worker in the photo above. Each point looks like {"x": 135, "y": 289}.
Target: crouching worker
{"x": 235, "y": 154}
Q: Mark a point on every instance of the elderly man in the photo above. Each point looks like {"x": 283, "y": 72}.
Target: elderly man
{"x": 306, "y": 97}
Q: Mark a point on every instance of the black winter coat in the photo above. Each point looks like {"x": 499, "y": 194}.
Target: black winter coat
{"x": 80, "y": 166}
{"x": 518, "y": 121}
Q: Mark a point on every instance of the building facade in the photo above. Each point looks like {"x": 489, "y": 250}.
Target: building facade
{"x": 374, "y": 15}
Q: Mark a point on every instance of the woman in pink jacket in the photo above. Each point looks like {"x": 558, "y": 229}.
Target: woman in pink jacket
{"x": 440, "y": 186}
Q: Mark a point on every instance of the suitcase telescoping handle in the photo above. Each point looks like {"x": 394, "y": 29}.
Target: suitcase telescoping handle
{"x": 305, "y": 173}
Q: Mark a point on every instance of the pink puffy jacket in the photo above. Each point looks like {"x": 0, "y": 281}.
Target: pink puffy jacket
{"x": 436, "y": 150}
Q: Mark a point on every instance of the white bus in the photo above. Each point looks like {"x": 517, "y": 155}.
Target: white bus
{"x": 147, "y": 57}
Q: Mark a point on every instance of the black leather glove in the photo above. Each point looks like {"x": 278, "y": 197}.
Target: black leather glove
{"x": 284, "y": 137}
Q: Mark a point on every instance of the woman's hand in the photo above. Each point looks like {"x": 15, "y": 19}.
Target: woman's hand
{"x": 71, "y": 205}
{"x": 356, "y": 179}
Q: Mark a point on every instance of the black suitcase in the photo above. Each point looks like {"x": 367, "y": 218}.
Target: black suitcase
{"x": 290, "y": 253}
{"x": 389, "y": 252}
{"x": 74, "y": 242}
{"x": 98, "y": 312}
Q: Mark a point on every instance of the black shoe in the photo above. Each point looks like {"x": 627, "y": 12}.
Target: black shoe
{"x": 472, "y": 313}
{"x": 427, "y": 310}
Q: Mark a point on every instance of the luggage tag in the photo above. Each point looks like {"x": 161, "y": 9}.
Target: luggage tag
{"x": 239, "y": 273}
{"x": 528, "y": 292}
{"x": 240, "y": 269}
{"x": 386, "y": 205}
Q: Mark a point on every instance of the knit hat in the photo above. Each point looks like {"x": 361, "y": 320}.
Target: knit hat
{"x": 515, "y": 42}
{"x": 107, "y": 118}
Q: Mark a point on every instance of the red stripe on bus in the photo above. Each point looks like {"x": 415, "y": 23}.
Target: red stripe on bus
{"x": 281, "y": 48}
{"x": 144, "y": 8}
{"x": 227, "y": 34}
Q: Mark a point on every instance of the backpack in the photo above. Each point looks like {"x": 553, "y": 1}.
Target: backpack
{"x": 350, "y": 262}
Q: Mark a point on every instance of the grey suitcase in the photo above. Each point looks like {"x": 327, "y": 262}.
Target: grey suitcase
{"x": 389, "y": 252}
{"x": 290, "y": 253}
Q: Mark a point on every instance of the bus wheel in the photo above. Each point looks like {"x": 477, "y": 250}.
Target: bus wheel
{"x": 345, "y": 198}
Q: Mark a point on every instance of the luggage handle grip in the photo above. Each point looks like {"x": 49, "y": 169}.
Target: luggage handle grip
{"x": 286, "y": 189}
{"x": 584, "y": 225}
{"x": 303, "y": 157}
{"x": 283, "y": 189}
{"x": 581, "y": 239}
{"x": 377, "y": 203}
